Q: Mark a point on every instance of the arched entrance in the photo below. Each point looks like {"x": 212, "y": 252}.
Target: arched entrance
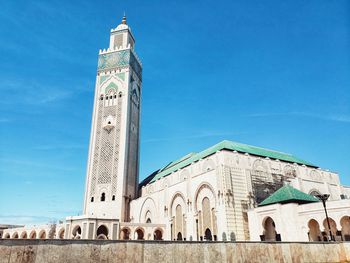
{"x": 333, "y": 229}
{"x": 102, "y": 232}
{"x": 139, "y": 234}
{"x": 32, "y": 235}
{"x": 179, "y": 236}
{"x": 345, "y": 228}
{"x": 24, "y": 235}
{"x": 7, "y": 235}
{"x": 207, "y": 235}
{"x": 15, "y": 235}
{"x": 76, "y": 232}
{"x": 270, "y": 233}
{"x": 157, "y": 235}
{"x": 125, "y": 234}
{"x": 42, "y": 234}
{"x": 314, "y": 231}
{"x": 61, "y": 233}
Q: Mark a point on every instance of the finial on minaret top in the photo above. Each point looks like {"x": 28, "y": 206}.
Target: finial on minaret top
{"x": 124, "y": 19}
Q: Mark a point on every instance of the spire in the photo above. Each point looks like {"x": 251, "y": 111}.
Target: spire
{"x": 124, "y": 19}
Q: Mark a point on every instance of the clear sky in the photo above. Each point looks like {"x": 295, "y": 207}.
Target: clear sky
{"x": 274, "y": 74}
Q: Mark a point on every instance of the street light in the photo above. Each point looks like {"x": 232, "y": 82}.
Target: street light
{"x": 324, "y": 198}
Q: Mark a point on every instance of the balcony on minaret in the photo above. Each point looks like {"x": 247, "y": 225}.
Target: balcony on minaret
{"x": 121, "y": 37}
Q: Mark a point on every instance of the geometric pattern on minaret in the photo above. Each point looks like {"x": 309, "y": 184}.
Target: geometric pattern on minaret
{"x": 113, "y": 161}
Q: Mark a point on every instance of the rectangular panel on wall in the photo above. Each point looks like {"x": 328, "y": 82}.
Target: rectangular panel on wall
{"x": 67, "y": 232}
{"x": 91, "y": 231}
{"x": 115, "y": 231}
{"x": 83, "y": 234}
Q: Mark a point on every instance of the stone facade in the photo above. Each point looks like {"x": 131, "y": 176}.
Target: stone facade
{"x": 57, "y": 251}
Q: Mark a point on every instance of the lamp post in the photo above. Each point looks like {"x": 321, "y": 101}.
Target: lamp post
{"x": 324, "y": 198}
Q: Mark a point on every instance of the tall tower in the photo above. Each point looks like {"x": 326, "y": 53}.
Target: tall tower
{"x": 113, "y": 162}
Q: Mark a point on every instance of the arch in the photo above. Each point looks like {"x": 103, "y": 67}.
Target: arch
{"x": 184, "y": 174}
{"x": 139, "y": 234}
{"x": 103, "y": 197}
{"x": 61, "y": 233}
{"x": 208, "y": 165}
{"x": 333, "y": 226}
{"x": 204, "y": 189}
{"x": 289, "y": 171}
{"x": 76, "y": 233}
{"x": 207, "y": 235}
{"x": 345, "y": 227}
{"x": 178, "y": 198}
{"x": 269, "y": 226}
{"x": 205, "y": 203}
{"x": 314, "y": 230}
{"x": 125, "y": 233}
{"x": 233, "y": 236}
{"x": 24, "y": 235}
{"x": 158, "y": 234}
{"x": 148, "y": 206}
{"x": 224, "y": 237}
{"x": 102, "y": 232}
{"x": 32, "y": 235}
{"x": 42, "y": 234}
{"x": 7, "y": 235}
{"x": 314, "y": 192}
{"x": 15, "y": 235}
{"x": 113, "y": 83}
{"x": 179, "y": 236}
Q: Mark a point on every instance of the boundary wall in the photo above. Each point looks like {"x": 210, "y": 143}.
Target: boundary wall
{"x": 104, "y": 251}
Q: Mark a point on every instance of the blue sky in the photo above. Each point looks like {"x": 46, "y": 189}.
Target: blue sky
{"x": 269, "y": 73}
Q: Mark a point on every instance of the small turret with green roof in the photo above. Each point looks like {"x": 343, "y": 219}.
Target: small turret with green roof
{"x": 288, "y": 194}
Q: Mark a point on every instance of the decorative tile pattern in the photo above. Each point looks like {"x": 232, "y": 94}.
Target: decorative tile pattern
{"x": 114, "y": 60}
{"x": 119, "y": 59}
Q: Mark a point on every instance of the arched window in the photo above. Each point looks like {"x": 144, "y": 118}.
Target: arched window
{"x": 314, "y": 230}
{"x": 345, "y": 227}
{"x": 32, "y": 235}
{"x": 42, "y": 234}
{"x": 139, "y": 234}
{"x": 113, "y": 197}
{"x": 314, "y": 192}
{"x": 103, "y": 197}
{"x": 120, "y": 94}
{"x": 208, "y": 235}
{"x": 76, "y": 232}
{"x": 179, "y": 236}
{"x": 92, "y": 199}
{"x": 157, "y": 235}
{"x": 125, "y": 234}
{"x": 61, "y": 234}
{"x": 270, "y": 233}
{"x": 148, "y": 221}
{"x": 102, "y": 232}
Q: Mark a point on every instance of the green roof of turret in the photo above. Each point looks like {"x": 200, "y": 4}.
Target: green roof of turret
{"x": 288, "y": 194}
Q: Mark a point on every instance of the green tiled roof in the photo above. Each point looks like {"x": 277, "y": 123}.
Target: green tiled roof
{"x": 228, "y": 145}
{"x": 288, "y": 194}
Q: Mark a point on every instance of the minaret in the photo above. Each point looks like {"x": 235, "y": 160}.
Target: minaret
{"x": 113, "y": 162}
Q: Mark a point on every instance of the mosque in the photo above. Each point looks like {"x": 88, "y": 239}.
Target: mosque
{"x": 227, "y": 192}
